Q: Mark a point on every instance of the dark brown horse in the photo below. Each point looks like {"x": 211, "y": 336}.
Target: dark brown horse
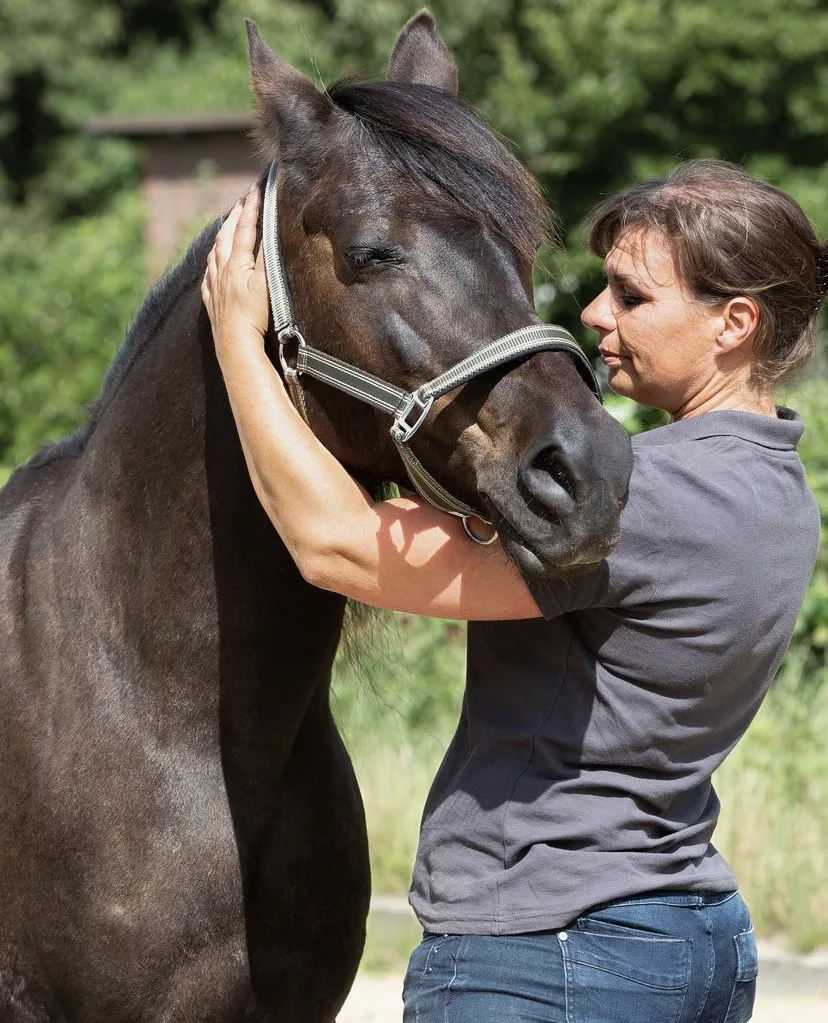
{"x": 183, "y": 839}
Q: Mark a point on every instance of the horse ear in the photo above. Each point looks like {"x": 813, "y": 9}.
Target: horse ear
{"x": 290, "y": 106}
{"x": 420, "y": 56}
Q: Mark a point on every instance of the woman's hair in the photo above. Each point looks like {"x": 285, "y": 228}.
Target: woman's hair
{"x": 730, "y": 234}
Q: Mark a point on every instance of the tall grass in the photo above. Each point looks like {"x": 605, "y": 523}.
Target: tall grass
{"x": 397, "y": 708}
{"x": 773, "y": 829}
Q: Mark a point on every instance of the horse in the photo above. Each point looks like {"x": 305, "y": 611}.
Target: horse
{"x": 184, "y": 839}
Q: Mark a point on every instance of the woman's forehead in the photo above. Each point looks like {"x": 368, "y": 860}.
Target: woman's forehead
{"x": 641, "y": 254}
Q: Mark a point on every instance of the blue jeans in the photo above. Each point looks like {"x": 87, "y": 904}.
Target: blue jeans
{"x": 666, "y": 957}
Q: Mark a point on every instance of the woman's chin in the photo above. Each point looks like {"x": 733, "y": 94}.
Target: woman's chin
{"x": 618, "y": 381}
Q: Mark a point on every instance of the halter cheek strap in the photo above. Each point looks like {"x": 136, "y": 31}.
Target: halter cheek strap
{"x": 409, "y": 409}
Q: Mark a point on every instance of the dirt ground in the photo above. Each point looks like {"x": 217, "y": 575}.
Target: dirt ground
{"x": 791, "y": 990}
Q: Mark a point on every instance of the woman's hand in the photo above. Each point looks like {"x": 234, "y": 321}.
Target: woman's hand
{"x": 234, "y": 289}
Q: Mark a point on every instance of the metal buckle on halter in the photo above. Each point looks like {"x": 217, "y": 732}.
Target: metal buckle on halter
{"x": 401, "y": 430}
{"x": 286, "y": 335}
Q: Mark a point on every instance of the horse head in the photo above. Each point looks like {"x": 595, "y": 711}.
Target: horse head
{"x": 409, "y": 235}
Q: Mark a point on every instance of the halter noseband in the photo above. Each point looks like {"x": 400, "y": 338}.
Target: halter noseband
{"x": 408, "y": 408}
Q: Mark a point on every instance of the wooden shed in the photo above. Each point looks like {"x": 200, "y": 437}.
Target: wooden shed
{"x": 195, "y": 166}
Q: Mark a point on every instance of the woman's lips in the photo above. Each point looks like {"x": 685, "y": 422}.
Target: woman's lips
{"x": 612, "y": 358}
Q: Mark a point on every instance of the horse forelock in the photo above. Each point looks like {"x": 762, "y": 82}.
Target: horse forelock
{"x": 443, "y": 147}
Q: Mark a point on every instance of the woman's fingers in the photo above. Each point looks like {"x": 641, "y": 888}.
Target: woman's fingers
{"x": 234, "y": 288}
{"x": 223, "y": 246}
{"x": 244, "y": 237}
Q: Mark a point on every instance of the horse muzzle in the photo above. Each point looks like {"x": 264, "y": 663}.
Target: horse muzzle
{"x": 559, "y": 514}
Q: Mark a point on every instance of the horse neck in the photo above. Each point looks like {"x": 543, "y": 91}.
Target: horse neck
{"x": 201, "y": 581}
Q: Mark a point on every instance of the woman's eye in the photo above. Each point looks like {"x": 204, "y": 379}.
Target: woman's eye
{"x": 365, "y": 259}
{"x": 628, "y": 299}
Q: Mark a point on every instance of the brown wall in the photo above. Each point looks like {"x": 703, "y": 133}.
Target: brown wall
{"x": 188, "y": 180}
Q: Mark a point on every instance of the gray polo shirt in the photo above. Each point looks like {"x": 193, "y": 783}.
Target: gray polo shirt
{"x": 580, "y": 769}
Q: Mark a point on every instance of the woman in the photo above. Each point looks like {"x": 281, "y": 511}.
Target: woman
{"x": 565, "y": 871}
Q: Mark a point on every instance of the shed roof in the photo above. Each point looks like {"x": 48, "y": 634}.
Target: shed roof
{"x": 149, "y": 125}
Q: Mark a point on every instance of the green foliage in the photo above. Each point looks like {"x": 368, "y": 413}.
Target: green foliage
{"x": 398, "y": 705}
{"x": 401, "y": 672}
{"x": 774, "y": 794}
{"x": 592, "y": 95}
{"x": 62, "y": 316}
{"x": 811, "y": 636}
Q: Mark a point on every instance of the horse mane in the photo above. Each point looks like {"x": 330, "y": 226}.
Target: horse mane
{"x": 154, "y": 310}
{"x": 148, "y": 320}
{"x": 441, "y": 144}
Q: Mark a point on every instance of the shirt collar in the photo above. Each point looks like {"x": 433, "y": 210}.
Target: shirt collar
{"x": 782, "y": 432}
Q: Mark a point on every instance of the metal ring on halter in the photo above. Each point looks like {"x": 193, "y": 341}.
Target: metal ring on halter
{"x": 465, "y": 519}
{"x": 284, "y": 336}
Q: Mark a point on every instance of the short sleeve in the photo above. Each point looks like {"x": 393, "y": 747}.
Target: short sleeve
{"x": 630, "y": 574}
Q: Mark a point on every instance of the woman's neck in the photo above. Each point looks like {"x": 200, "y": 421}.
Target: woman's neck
{"x": 734, "y": 393}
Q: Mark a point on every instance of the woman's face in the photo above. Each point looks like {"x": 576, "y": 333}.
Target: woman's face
{"x": 656, "y": 340}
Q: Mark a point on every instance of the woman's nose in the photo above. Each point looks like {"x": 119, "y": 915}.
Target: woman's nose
{"x": 598, "y": 314}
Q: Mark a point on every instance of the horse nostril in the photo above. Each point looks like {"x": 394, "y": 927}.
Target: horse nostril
{"x": 546, "y": 462}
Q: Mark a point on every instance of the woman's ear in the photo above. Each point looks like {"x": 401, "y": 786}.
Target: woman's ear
{"x": 741, "y": 319}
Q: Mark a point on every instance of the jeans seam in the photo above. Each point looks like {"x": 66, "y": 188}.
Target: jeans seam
{"x": 734, "y": 991}
{"x": 460, "y": 950}
{"x": 711, "y": 968}
{"x": 567, "y": 981}
{"x": 693, "y": 901}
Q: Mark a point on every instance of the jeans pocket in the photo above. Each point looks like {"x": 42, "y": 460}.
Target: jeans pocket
{"x": 428, "y": 981}
{"x": 740, "y": 1008}
{"x": 613, "y": 974}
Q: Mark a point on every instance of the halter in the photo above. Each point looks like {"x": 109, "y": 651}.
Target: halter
{"x": 409, "y": 409}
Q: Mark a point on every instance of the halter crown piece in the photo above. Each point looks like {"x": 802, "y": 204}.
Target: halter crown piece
{"x": 409, "y": 409}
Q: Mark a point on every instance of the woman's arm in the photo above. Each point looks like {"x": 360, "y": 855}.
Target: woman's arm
{"x": 400, "y": 554}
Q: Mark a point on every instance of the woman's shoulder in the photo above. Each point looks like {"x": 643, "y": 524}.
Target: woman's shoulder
{"x": 724, "y": 482}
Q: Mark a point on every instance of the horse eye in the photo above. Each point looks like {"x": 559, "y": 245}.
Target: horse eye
{"x": 367, "y": 258}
